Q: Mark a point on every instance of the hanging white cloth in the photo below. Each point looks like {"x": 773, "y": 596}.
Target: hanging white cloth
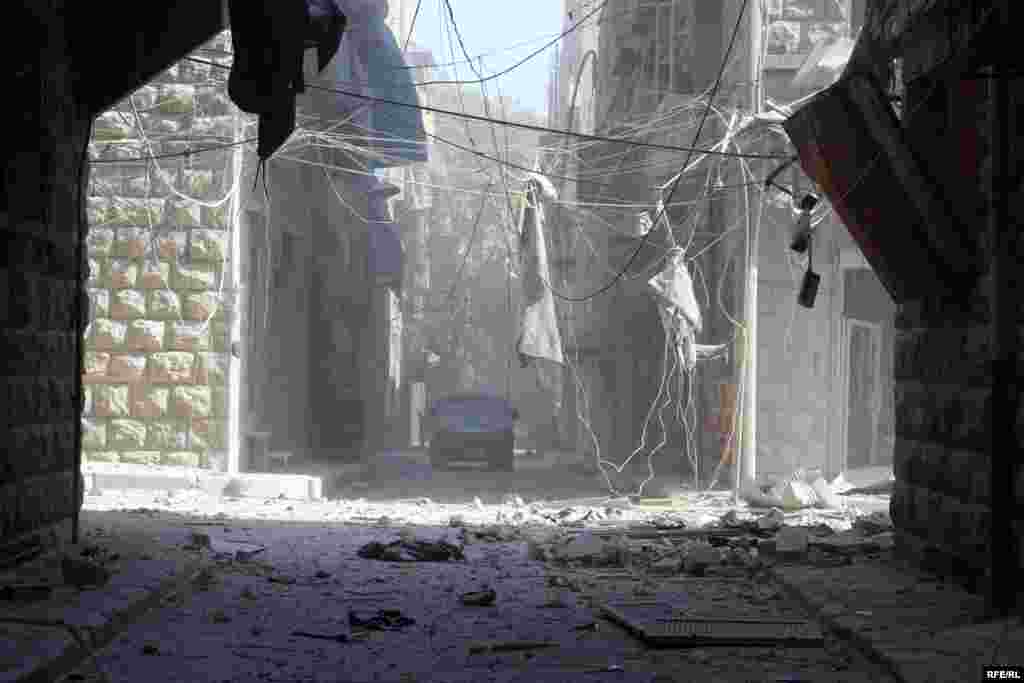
{"x": 539, "y": 336}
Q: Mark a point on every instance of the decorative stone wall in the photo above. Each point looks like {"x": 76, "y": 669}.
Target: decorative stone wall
{"x": 156, "y": 361}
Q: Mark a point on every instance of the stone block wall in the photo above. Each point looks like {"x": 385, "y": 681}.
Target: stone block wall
{"x": 943, "y": 372}
{"x": 41, "y": 227}
{"x": 157, "y": 347}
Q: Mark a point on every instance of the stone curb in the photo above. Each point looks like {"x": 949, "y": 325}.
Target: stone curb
{"x": 863, "y": 644}
{"x": 257, "y": 485}
{"x": 76, "y": 654}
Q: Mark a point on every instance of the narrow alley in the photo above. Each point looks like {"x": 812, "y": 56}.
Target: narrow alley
{"x": 481, "y": 584}
{"x": 464, "y": 341}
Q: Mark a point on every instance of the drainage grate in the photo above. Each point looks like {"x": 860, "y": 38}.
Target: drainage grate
{"x": 682, "y": 631}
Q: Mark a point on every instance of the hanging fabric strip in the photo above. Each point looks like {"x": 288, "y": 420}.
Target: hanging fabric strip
{"x": 539, "y": 336}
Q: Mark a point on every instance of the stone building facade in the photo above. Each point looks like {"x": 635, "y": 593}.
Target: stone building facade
{"x": 157, "y": 346}
{"x": 823, "y": 374}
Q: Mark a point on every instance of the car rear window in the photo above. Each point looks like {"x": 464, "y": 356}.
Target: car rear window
{"x": 473, "y": 414}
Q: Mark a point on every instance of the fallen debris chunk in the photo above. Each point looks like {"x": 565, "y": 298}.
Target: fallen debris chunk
{"x": 497, "y": 533}
{"x": 338, "y": 638}
{"x": 285, "y": 580}
{"x": 554, "y": 603}
{"x": 514, "y": 499}
{"x": 585, "y": 546}
{"x": 479, "y": 504}
{"x": 797, "y": 495}
{"x": 881, "y": 488}
{"x": 875, "y": 523}
{"x": 730, "y": 520}
{"x": 666, "y": 566}
{"x": 791, "y": 541}
{"x": 771, "y": 521}
{"x": 510, "y": 646}
{"x": 382, "y": 620}
{"x": 667, "y": 522}
{"x": 411, "y": 551}
{"x": 827, "y": 497}
{"x": 761, "y": 494}
{"x": 701, "y": 556}
{"x": 246, "y": 555}
{"x": 219, "y": 616}
{"x": 484, "y": 598}
{"x": 456, "y": 521}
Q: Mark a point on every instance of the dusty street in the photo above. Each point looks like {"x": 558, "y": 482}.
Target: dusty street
{"x": 279, "y": 591}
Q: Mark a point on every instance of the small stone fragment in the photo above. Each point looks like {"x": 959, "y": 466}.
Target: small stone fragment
{"x": 700, "y": 557}
{"x": 772, "y": 520}
{"x": 791, "y": 541}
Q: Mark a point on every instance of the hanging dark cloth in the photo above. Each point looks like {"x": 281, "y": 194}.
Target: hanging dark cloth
{"x": 269, "y": 39}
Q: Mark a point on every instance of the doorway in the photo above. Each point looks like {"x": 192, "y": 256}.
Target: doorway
{"x": 862, "y": 361}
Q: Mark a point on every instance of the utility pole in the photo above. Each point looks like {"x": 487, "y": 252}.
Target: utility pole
{"x": 747, "y": 466}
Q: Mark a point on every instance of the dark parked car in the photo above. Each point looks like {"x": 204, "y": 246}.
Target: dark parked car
{"x": 472, "y": 430}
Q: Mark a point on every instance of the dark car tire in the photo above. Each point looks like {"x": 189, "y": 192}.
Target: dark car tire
{"x": 438, "y": 451}
{"x": 507, "y": 462}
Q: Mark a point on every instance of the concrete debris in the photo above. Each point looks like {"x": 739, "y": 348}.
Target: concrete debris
{"x": 827, "y": 497}
{"x": 762, "y": 494}
{"x": 590, "y": 549}
{"x": 219, "y": 616}
{"x": 730, "y": 520}
{"x": 881, "y": 488}
{"x": 853, "y": 543}
{"x": 510, "y": 646}
{"x": 456, "y": 521}
{"x": 875, "y": 523}
{"x": 699, "y": 557}
{"x": 484, "y": 598}
{"x": 381, "y": 620}
{"x": 791, "y": 541}
{"x": 666, "y": 566}
{"x": 797, "y": 495}
{"x": 771, "y": 521}
{"x": 515, "y": 500}
{"x": 338, "y": 637}
{"x": 585, "y": 546}
{"x": 800, "y": 490}
{"x": 497, "y": 533}
{"x": 668, "y": 522}
{"x": 411, "y": 551}
{"x": 540, "y": 545}
{"x": 477, "y": 503}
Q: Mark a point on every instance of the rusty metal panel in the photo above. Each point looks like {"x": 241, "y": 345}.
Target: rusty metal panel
{"x": 850, "y": 142}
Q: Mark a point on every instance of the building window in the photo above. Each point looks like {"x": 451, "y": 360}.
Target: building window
{"x": 794, "y": 27}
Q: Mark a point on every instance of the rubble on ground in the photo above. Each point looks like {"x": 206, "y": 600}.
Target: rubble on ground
{"x": 411, "y": 550}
